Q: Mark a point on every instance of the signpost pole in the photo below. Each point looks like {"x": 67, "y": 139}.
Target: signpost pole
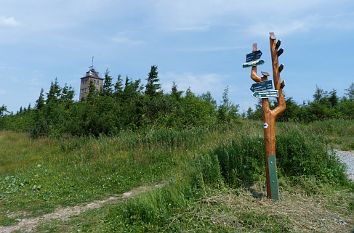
{"x": 269, "y": 119}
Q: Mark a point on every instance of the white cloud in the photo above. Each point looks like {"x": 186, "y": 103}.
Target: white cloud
{"x": 285, "y": 18}
{"x": 42, "y": 15}
{"x": 199, "y": 83}
{"x": 314, "y": 22}
{"x": 204, "y": 14}
{"x": 8, "y": 22}
{"x": 204, "y": 82}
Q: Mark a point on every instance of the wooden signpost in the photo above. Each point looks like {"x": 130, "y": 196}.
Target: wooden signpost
{"x": 262, "y": 90}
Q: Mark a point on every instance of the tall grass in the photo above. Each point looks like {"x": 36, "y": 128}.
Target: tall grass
{"x": 37, "y": 176}
{"x": 236, "y": 164}
{"x": 307, "y": 154}
{"x": 338, "y": 133}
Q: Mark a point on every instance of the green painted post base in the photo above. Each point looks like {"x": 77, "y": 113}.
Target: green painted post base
{"x": 273, "y": 177}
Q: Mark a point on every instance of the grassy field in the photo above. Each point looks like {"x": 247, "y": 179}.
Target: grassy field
{"x": 213, "y": 180}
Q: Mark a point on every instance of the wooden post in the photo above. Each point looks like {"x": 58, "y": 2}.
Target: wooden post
{"x": 269, "y": 119}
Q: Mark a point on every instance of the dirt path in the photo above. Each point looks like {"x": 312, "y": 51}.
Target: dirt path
{"x": 30, "y": 224}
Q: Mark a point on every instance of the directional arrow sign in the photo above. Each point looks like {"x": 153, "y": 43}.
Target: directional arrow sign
{"x": 253, "y": 63}
{"x": 254, "y": 56}
{"x": 262, "y": 86}
{"x": 266, "y": 94}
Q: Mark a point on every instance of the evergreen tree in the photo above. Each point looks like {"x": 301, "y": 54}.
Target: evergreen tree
{"x": 227, "y": 110}
{"x": 152, "y": 87}
{"x": 208, "y": 98}
{"x": 249, "y": 112}
{"x": 40, "y": 101}
{"x": 54, "y": 92}
{"x": 333, "y": 98}
{"x": 118, "y": 87}
{"x": 189, "y": 92}
{"x": 67, "y": 93}
{"x": 3, "y": 110}
{"x": 107, "y": 85}
{"x": 127, "y": 91}
{"x": 350, "y": 92}
{"x": 319, "y": 95}
{"x": 131, "y": 88}
{"x": 175, "y": 93}
{"x": 92, "y": 92}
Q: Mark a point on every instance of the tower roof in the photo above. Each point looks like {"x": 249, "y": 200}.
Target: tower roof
{"x": 92, "y": 73}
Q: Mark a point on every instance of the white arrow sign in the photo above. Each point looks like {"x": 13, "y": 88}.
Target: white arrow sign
{"x": 266, "y": 94}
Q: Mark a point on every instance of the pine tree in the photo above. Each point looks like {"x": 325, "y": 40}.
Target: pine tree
{"x": 40, "y": 101}
{"x": 92, "y": 92}
{"x": 67, "y": 93}
{"x": 319, "y": 95}
{"x": 127, "y": 87}
{"x": 249, "y": 112}
{"x": 107, "y": 85}
{"x": 152, "y": 87}
{"x": 189, "y": 92}
{"x": 175, "y": 93}
{"x": 3, "y": 110}
{"x": 54, "y": 91}
{"x": 227, "y": 110}
{"x": 350, "y": 92}
{"x": 333, "y": 98}
{"x": 118, "y": 87}
{"x": 208, "y": 98}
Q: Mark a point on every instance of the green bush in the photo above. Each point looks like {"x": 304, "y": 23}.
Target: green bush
{"x": 298, "y": 154}
{"x": 301, "y": 153}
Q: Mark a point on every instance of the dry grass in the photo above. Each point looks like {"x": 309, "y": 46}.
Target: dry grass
{"x": 296, "y": 211}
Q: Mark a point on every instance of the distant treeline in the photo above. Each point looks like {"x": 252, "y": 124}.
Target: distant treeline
{"x": 325, "y": 105}
{"x": 129, "y": 105}
{"x": 123, "y": 105}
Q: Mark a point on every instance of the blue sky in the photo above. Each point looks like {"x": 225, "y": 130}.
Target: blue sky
{"x": 196, "y": 43}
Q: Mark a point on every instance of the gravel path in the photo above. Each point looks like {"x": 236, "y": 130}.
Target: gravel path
{"x": 347, "y": 157}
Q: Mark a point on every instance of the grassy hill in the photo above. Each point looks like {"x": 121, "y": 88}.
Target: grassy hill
{"x": 210, "y": 180}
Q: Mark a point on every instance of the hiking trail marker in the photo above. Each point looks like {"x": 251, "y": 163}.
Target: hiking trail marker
{"x": 262, "y": 86}
{"x": 253, "y": 59}
{"x": 263, "y": 89}
{"x": 266, "y": 94}
{"x": 254, "y": 56}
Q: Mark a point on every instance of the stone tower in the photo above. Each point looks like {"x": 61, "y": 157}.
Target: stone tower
{"x": 91, "y": 76}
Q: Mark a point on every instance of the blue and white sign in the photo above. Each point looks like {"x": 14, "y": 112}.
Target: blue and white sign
{"x": 266, "y": 94}
{"x": 262, "y": 86}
